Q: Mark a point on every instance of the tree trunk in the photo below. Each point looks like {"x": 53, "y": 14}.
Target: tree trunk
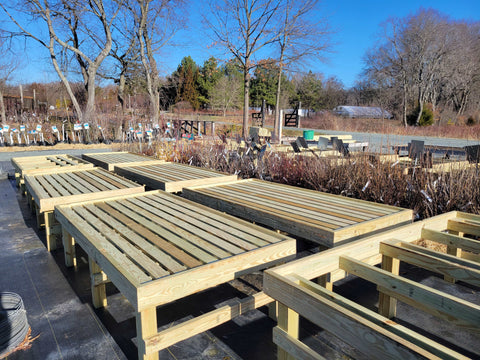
{"x": 89, "y": 113}
{"x": 246, "y": 101}
{"x": 405, "y": 104}
{"x": 2, "y": 108}
{"x": 121, "y": 92}
{"x": 420, "y": 107}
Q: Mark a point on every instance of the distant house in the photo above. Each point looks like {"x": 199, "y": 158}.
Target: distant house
{"x": 362, "y": 112}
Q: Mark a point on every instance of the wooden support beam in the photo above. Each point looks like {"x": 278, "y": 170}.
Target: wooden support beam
{"x": 99, "y": 294}
{"x": 288, "y": 321}
{"x": 451, "y": 239}
{"x": 367, "y": 337}
{"x": 205, "y": 322}
{"x": 409, "y": 335}
{"x": 146, "y": 327}
{"x": 294, "y": 347}
{"x": 445, "y": 306}
{"x": 69, "y": 249}
{"x": 464, "y": 226}
{"x": 387, "y": 305}
{"x": 445, "y": 264}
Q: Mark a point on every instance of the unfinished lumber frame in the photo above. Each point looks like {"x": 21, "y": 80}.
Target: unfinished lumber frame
{"x": 31, "y": 165}
{"x": 374, "y": 333}
{"x": 327, "y": 219}
{"x": 172, "y": 177}
{"x": 108, "y": 160}
{"x": 49, "y": 189}
{"x": 156, "y": 248}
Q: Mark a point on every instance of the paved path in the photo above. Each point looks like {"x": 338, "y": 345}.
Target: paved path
{"x": 386, "y": 141}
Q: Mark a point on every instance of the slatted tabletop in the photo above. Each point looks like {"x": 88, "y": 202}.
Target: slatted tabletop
{"x": 172, "y": 177}
{"x": 157, "y": 247}
{"x": 50, "y": 189}
{"x": 30, "y": 165}
{"x": 324, "y": 218}
{"x": 108, "y": 160}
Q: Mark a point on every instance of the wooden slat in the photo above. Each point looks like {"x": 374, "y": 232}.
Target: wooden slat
{"x": 451, "y": 240}
{"x": 109, "y": 216}
{"x": 234, "y": 226}
{"x": 191, "y": 230}
{"x": 445, "y": 264}
{"x": 293, "y": 346}
{"x": 184, "y": 259}
{"x": 367, "y": 337}
{"x": 435, "y": 302}
{"x": 118, "y": 268}
{"x": 204, "y": 322}
{"x": 232, "y": 243}
{"x": 465, "y": 226}
{"x": 133, "y": 253}
{"x": 423, "y": 342}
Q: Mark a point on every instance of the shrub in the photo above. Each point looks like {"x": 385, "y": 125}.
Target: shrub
{"x": 427, "y": 117}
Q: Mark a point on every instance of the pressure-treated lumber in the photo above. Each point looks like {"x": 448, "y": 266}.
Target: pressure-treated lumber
{"x": 32, "y": 165}
{"x": 320, "y": 217}
{"x": 375, "y": 334}
{"x": 108, "y": 160}
{"x": 50, "y": 189}
{"x": 157, "y": 248}
{"x": 172, "y": 177}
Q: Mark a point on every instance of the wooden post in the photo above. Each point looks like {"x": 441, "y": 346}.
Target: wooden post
{"x": 453, "y": 250}
{"x": 288, "y": 321}
{"x": 69, "y": 249}
{"x": 99, "y": 294}
{"x": 387, "y": 305}
{"x": 146, "y": 326}
{"x": 273, "y": 310}
{"x": 324, "y": 281}
{"x": 213, "y": 128}
{"x": 51, "y": 238}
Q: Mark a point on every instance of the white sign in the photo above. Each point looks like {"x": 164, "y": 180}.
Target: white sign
{"x": 139, "y": 125}
{"x": 77, "y": 127}
{"x": 39, "y": 128}
{"x": 85, "y": 126}
{"x": 6, "y": 127}
{"x": 54, "y": 128}
{"x": 131, "y": 129}
{"x": 22, "y": 127}
{"x": 99, "y": 127}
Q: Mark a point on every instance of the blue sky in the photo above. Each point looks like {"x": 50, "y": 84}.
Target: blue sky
{"x": 356, "y": 24}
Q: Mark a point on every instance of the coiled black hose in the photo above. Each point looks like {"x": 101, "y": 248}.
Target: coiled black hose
{"x": 13, "y": 322}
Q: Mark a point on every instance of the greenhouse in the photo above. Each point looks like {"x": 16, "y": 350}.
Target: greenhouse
{"x": 362, "y": 112}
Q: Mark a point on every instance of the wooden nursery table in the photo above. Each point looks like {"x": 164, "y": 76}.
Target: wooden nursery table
{"x": 108, "y": 160}
{"x": 172, "y": 177}
{"x": 44, "y": 191}
{"x": 31, "y": 165}
{"x": 156, "y": 248}
{"x": 316, "y": 216}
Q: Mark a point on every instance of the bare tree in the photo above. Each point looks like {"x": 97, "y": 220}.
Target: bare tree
{"x": 76, "y": 28}
{"x": 156, "y": 24}
{"x": 243, "y": 28}
{"x": 225, "y": 93}
{"x": 7, "y": 66}
{"x": 430, "y": 57}
{"x": 300, "y": 39}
